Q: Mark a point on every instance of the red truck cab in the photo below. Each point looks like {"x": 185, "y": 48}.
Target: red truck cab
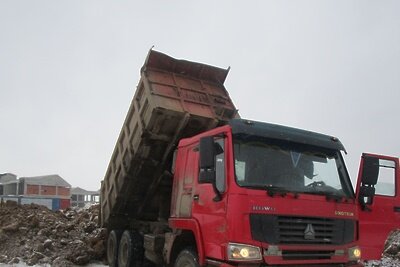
{"x": 256, "y": 194}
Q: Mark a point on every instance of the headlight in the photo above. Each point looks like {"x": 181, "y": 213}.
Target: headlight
{"x": 354, "y": 253}
{"x": 240, "y": 252}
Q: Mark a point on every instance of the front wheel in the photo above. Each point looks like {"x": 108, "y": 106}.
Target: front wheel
{"x": 187, "y": 258}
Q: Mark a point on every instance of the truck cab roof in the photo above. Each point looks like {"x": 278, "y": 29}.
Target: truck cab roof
{"x": 290, "y": 134}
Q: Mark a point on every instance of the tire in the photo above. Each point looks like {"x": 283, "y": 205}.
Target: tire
{"x": 112, "y": 247}
{"x": 187, "y": 258}
{"x": 131, "y": 252}
{"x": 148, "y": 263}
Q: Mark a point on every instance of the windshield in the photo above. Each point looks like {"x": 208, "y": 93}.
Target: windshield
{"x": 274, "y": 164}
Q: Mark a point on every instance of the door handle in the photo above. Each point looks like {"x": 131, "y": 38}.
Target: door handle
{"x": 196, "y": 197}
{"x": 396, "y": 209}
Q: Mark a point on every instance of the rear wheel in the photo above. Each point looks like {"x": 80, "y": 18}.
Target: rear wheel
{"x": 187, "y": 258}
{"x": 131, "y": 251}
{"x": 112, "y": 247}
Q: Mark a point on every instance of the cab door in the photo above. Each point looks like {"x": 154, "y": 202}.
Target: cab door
{"x": 378, "y": 194}
{"x": 209, "y": 204}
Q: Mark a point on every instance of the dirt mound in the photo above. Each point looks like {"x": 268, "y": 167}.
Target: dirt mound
{"x": 37, "y": 235}
{"x": 391, "y": 253}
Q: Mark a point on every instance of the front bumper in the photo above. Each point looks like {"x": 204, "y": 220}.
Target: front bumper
{"x": 224, "y": 264}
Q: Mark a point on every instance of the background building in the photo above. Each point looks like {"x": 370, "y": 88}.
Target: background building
{"x": 51, "y": 191}
{"x": 8, "y": 184}
{"x": 49, "y": 185}
{"x": 81, "y": 197}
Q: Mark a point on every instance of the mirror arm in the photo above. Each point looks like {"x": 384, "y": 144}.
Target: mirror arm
{"x": 366, "y": 196}
{"x": 364, "y": 206}
{"x": 218, "y": 196}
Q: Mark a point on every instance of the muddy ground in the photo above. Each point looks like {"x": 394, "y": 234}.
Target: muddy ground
{"x": 36, "y": 235}
{"x": 391, "y": 255}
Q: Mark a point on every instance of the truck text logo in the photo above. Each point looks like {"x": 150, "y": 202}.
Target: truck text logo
{"x": 343, "y": 213}
{"x": 263, "y": 208}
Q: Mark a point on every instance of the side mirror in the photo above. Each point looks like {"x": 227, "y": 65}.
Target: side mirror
{"x": 370, "y": 171}
{"x": 369, "y": 178}
{"x": 207, "y": 160}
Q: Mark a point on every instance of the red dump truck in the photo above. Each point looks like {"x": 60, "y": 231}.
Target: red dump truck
{"x": 191, "y": 184}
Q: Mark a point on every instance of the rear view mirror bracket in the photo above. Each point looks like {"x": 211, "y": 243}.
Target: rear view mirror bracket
{"x": 366, "y": 196}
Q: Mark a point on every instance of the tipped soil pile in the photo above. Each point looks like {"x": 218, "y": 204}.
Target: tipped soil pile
{"x": 37, "y": 235}
{"x": 391, "y": 254}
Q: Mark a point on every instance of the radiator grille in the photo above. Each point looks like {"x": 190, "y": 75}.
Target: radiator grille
{"x": 292, "y": 230}
{"x": 301, "y": 230}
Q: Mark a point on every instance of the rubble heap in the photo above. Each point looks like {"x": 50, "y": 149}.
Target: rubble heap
{"x": 391, "y": 254}
{"x": 392, "y": 246}
{"x": 37, "y": 235}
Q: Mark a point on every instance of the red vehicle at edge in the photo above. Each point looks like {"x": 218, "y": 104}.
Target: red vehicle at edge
{"x": 377, "y": 191}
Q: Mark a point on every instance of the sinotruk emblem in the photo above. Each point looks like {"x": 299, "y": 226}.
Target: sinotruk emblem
{"x": 309, "y": 233}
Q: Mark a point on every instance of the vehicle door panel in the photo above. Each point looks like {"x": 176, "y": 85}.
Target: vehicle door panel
{"x": 380, "y": 217}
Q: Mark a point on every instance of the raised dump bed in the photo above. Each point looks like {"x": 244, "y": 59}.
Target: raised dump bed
{"x": 174, "y": 99}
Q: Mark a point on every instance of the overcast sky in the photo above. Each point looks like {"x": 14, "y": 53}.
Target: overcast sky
{"x": 68, "y": 71}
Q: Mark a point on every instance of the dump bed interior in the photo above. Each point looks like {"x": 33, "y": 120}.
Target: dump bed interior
{"x": 174, "y": 99}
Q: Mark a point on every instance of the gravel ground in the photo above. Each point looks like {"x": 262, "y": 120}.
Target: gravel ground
{"x": 48, "y": 265}
{"x": 32, "y": 235}
{"x": 386, "y": 261}
{"x": 391, "y": 255}
{"x": 36, "y": 235}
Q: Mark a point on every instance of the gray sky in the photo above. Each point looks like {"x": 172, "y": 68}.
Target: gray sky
{"x": 68, "y": 71}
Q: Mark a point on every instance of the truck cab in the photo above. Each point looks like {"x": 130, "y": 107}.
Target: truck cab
{"x": 256, "y": 193}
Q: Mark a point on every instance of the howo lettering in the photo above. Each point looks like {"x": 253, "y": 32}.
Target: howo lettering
{"x": 191, "y": 184}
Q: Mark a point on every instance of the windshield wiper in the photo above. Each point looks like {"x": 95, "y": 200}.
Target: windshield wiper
{"x": 273, "y": 190}
{"x": 328, "y": 195}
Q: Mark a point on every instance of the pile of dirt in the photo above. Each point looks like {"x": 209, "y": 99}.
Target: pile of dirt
{"x": 392, "y": 246}
{"x": 391, "y": 254}
{"x": 37, "y": 235}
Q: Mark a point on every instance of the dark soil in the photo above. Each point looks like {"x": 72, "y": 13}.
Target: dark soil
{"x": 37, "y": 235}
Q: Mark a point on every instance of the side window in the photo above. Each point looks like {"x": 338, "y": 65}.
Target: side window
{"x": 240, "y": 169}
{"x": 220, "y": 166}
{"x": 174, "y": 161}
{"x": 386, "y": 179}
